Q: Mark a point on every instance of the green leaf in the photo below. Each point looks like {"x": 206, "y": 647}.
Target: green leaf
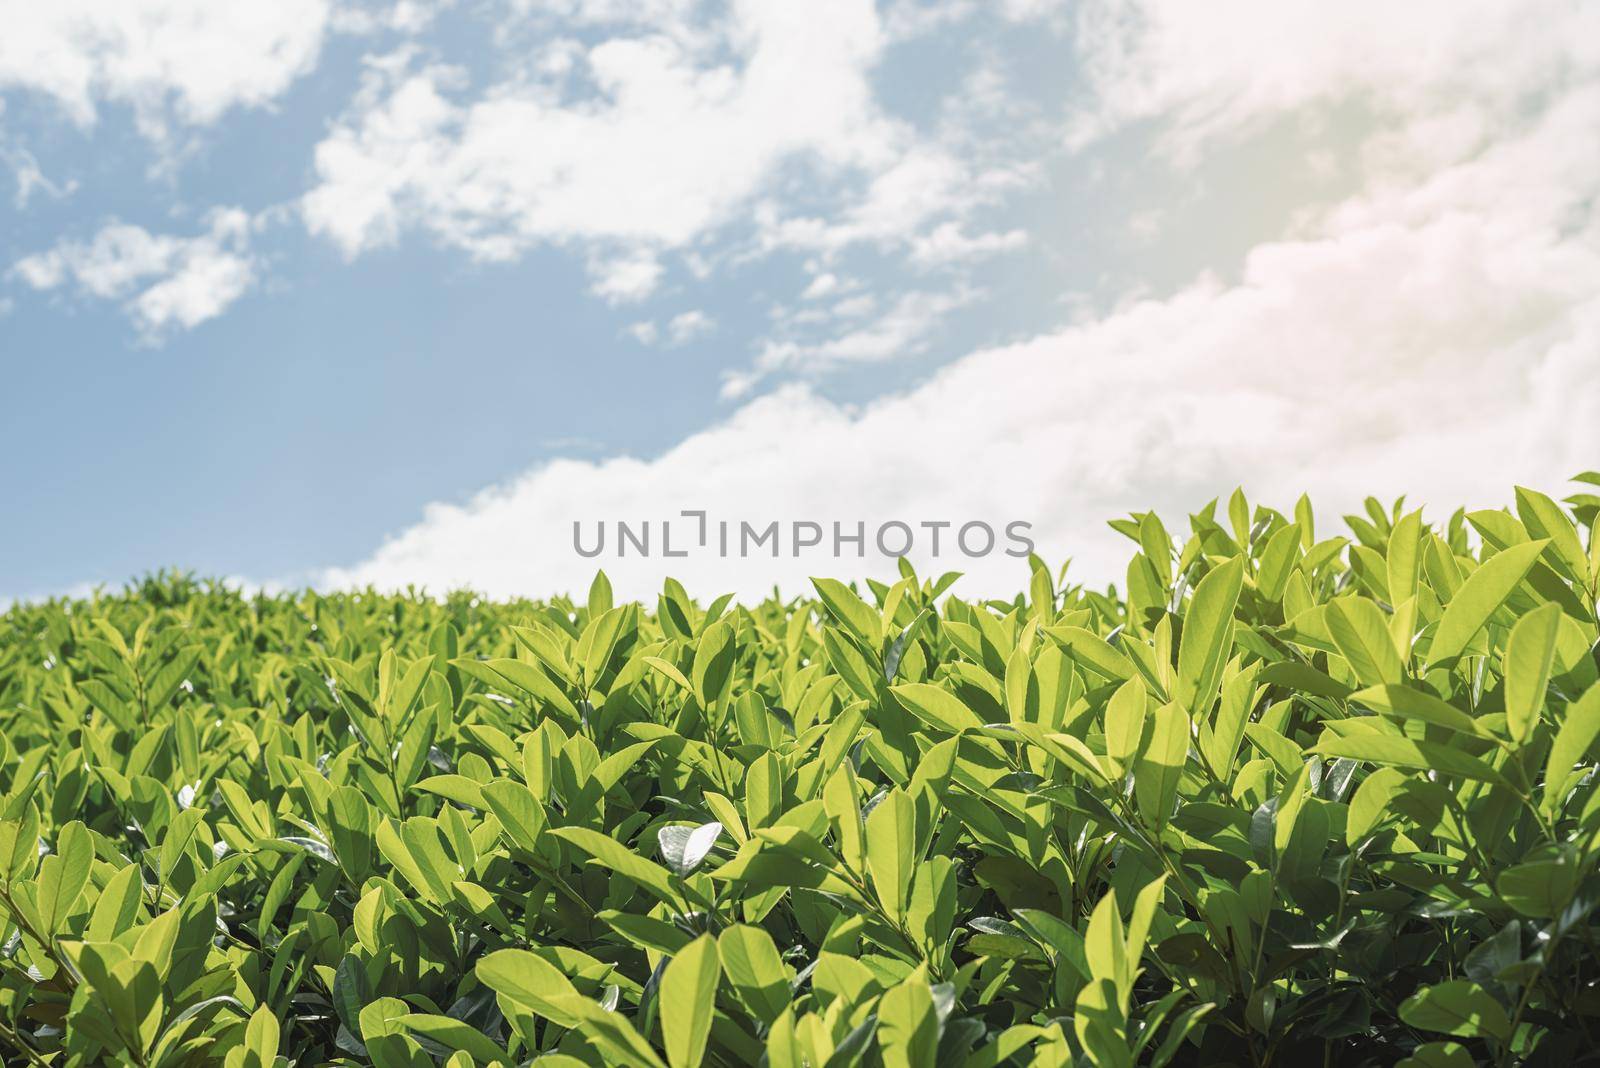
{"x": 453, "y": 1034}
{"x": 688, "y": 992}
{"x": 891, "y": 850}
{"x": 856, "y": 615}
{"x": 1544, "y": 519}
{"x": 1160, "y": 767}
{"x": 531, "y": 981}
{"x": 600, "y": 640}
{"x": 1406, "y": 753}
{"x": 518, "y": 811}
{"x": 351, "y": 991}
{"x": 842, "y": 803}
{"x": 750, "y": 961}
{"x": 117, "y": 908}
{"x": 529, "y": 678}
{"x": 1145, "y": 907}
{"x": 261, "y": 1036}
{"x": 1403, "y": 702}
{"x": 1208, "y": 636}
{"x": 937, "y": 707}
{"x": 671, "y": 672}
{"x": 1530, "y": 654}
{"x": 1361, "y": 631}
{"x": 1404, "y": 557}
{"x": 132, "y": 996}
{"x": 1484, "y": 591}
{"x": 1459, "y": 1007}
{"x": 1370, "y": 804}
{"x": 1105, "y": 947}
{"x": 713, "y": 662}
{"x": 64, "y": 874}
{"x": 1579, "y": 728}
{"x": 613, "y": 1034}
{"x": 164, "y": 686}
{"x": 457, "y": 788}
{"x": 600, "y": 598}
{"x": 1124, "y": 721}
{"x": 1540, "y": 889}
{"x": 1277, "y": 562}
{"x": 1093, "y": 651}
{"x": 1438, "y": 1055}
{"x": 610, "y": 853}
{"x": 908, "y": 1027}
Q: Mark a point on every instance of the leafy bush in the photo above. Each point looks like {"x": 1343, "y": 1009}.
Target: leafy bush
{"x": 1283, "y": 800}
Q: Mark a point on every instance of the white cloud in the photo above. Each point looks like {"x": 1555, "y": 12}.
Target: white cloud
{"x": 925, "y": 184}
{"x": 690, "y": 325}
{"x": 403, "y": 17}
{"x": 1023, "y": 10}
{"x": 1210, "y": 70}
{"x": 677, "y": 140}
{"x": 904, "y": 329}
{"x": 626, "y": 279}
{"x": 1433, "y": 334}
{"x": 1311, "y": 363}
{"x": 949, "y": 243}
{"x": 670, "y": 133}
{"x": 189, "y": 60}
{"x": 674, "y": 16}
{"x": 913, "y": 18}
{"x": 164, "y": 282}
{"x": 822, "y": 285}
{"x": 854, "y": 307}
{"x": 30, "y": 178}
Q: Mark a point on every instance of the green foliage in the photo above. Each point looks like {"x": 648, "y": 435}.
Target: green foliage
{"x": 1281, "y": 800}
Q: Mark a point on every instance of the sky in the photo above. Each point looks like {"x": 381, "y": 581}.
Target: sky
{"x": 350, "y": 292}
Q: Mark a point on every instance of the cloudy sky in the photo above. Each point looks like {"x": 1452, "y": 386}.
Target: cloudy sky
{"x": 337, "y": 292}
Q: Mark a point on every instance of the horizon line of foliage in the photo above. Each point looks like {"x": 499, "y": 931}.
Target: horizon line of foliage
{"x": 1289, "y": 796}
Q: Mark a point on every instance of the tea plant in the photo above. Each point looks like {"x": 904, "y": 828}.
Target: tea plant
{"x": 1283, "y": 799}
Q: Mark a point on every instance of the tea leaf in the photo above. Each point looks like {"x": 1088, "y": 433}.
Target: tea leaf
{"x": 1530, "y": 654}
{"x": 1484, "y": 591}
{"x": 1459, "y": 1007}
{"x": 688, "y": 987}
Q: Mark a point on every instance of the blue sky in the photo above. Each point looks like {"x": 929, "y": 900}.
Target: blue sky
{"x": 332, "y": 292}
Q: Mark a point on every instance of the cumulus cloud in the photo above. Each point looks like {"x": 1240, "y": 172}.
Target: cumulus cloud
{"x": 1318, "y": 361}
{"x": 188, "y": 61}
{"x": 675, "y": 138}
{"x": 646, "y": 136}
{"x": 1433, "y": 334}
{"x": 164, "y": 282}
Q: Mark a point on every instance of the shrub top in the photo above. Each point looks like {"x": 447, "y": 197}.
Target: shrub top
{"x": 1283, "y": 796}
